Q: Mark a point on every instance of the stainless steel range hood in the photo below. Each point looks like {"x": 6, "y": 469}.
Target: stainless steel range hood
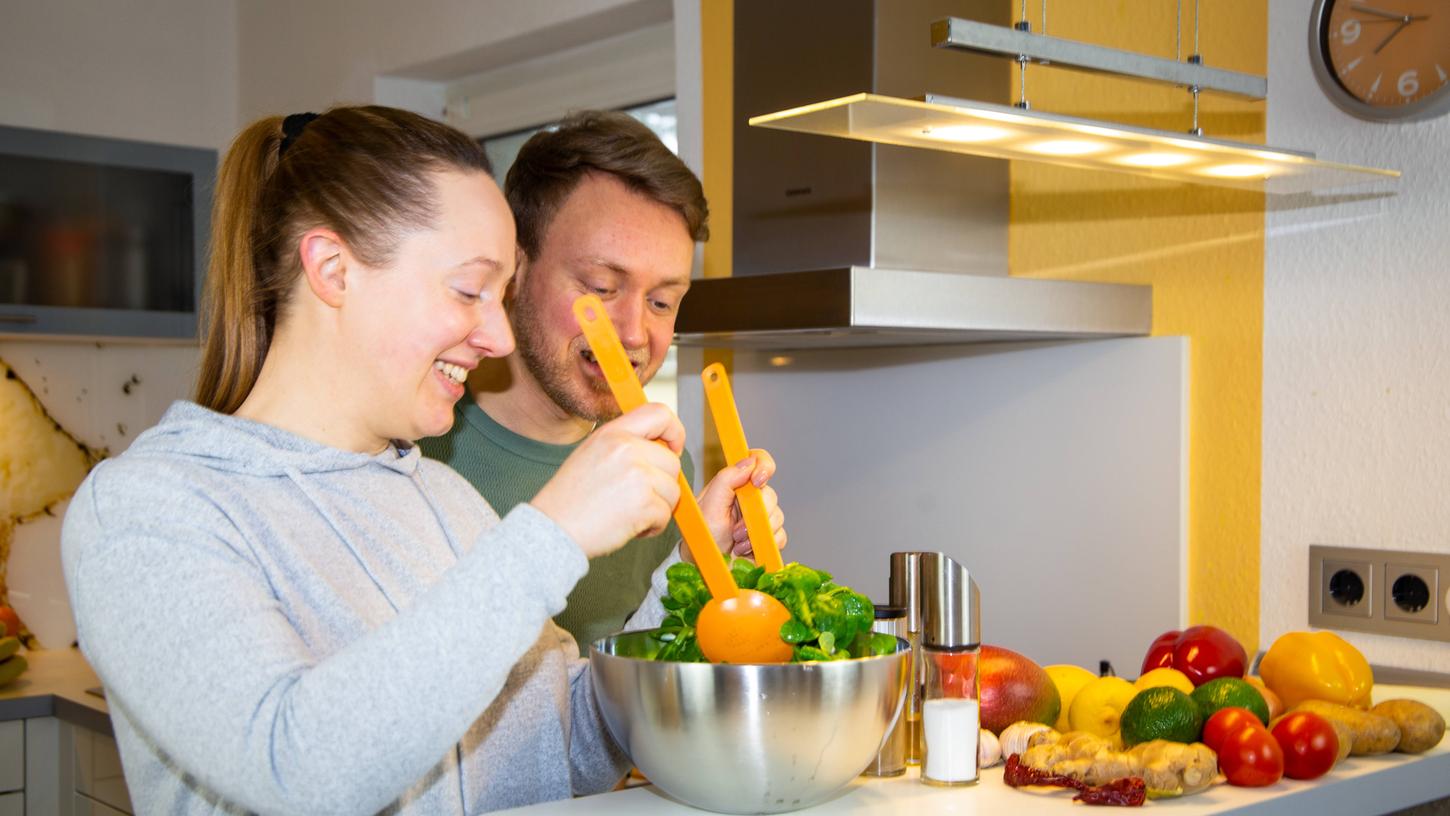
{"x": 908, "y": 246}
{"x": 860, "y": 306}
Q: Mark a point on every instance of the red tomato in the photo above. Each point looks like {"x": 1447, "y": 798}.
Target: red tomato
{"x": 1224, "y": 723}
{"x": 1251, "y": 758}
{"x": 10, "y": 621}
{"x": 1309, "y": 743}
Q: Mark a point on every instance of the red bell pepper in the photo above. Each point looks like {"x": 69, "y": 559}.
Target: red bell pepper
{"x": 1203, "y": 653}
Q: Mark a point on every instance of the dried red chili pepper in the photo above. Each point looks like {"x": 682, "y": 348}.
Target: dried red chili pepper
{"x": 1127, "y": 792}
{"x": 1130, "y": 791}
{"x": 1018, "y": 775}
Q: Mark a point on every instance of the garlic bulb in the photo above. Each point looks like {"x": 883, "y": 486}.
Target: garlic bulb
{"x": 989, "y": 749}
{"x": 1014, "y": 737}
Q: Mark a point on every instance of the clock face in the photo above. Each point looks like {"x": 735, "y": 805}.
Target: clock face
{"x": 1389, "y": 58}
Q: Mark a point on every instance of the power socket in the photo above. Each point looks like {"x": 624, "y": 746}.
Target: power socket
{"x": 1346, "y": 587}
{"x": 1411, "y": 591}
{"x": 1381, "y": 591}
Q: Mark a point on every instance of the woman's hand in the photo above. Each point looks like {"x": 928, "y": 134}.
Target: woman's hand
{"x": 620, "y": 483}
{"x": 722, "y": 511}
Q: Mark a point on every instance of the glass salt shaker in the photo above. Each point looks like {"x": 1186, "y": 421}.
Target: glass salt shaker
{"x": 950, "y": 646}
{"x": 950, "y": 715}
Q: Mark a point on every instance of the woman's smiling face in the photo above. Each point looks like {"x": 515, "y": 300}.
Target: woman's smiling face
{"x": 415, "y": 327}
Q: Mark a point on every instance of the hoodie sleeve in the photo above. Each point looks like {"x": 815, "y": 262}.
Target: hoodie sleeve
{"x": 179, "y": 621}
{"x": 651, "y": 612}
{"x": 596, "y": 762}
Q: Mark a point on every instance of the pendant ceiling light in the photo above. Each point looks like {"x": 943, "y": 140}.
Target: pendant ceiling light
{"x": 1018, "y": 132}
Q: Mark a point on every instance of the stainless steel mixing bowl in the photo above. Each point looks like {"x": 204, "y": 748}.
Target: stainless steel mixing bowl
{"x": 746, "y": 739}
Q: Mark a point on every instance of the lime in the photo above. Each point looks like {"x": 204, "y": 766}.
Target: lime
{"x": 1161, "y": 712}
{"x": 1226, "y": 692}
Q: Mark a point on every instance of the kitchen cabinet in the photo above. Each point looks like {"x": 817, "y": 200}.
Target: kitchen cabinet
{"x": 57, "y": 753}
{"x": 12, "y": 757}
{"x": 68, "y": 769}
{"x": 86, "y": 806}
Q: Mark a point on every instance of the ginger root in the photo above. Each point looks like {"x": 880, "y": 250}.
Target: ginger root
{"x": 1168, "y": 768}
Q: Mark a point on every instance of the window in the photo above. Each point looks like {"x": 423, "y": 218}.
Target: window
{"x": 657, "y": 116}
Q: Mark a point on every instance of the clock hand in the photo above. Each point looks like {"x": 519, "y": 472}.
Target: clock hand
{"x": 1390, "y": 15}
{"x": 1386, "y": 40}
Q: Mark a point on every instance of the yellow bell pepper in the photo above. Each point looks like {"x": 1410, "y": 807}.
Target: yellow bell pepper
{"x": 1317, "y": 666}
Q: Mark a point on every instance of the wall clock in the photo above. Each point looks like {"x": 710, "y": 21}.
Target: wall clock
{"x": 1383, "y": 60}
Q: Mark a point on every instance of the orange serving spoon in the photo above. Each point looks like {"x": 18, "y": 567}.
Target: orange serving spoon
{"x": 732, "y": 440}
{"x": 736, "y": 625}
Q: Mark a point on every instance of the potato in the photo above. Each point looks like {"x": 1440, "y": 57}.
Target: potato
{"x": 1421, "y": 726}
{"x": 1371, "y": 733}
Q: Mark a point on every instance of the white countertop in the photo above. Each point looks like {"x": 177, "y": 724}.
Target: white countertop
{"x": 1358, "y": 785}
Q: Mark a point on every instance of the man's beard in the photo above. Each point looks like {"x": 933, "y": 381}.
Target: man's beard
{"x": 554, "y": 375}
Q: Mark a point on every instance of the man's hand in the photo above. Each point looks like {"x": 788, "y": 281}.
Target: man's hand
{"x": 722, "y": 511}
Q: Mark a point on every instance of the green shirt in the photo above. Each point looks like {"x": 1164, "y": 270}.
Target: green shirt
{"x": 509, "y": 469}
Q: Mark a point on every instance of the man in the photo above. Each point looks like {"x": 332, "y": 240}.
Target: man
{"x": 602, "y": 207}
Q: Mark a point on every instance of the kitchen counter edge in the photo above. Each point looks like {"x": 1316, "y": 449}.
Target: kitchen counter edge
{"x": 55, "y": 685}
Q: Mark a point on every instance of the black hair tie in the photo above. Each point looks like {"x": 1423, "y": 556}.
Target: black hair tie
{"x": 292, "y": 127}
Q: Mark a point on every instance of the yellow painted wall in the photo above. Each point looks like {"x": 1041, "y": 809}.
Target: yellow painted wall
{"x": 717, "y": 73}
{"x": 717, "y": 76}
{"x": 1201, "y": 248}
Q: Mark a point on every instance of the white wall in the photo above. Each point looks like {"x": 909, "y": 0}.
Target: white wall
{"x": 307, "y": 56}
{"x": 1054, "y": 472}
{"x": 155, "y": 70}
{"x": 1356, "y": 379}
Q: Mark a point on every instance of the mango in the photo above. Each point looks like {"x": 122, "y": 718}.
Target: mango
{"x": 1013, "y": 689}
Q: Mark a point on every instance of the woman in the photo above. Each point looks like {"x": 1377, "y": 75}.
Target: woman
{"x": 290, "y": 610}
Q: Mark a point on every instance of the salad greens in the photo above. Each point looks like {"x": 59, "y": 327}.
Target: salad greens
{"x": 828, "y": 622}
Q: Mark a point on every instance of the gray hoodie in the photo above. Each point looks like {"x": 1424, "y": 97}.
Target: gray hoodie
{"x": 284, "y": 627}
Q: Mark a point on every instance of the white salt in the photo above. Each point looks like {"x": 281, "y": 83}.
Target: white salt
{"x": 951, "y": 727}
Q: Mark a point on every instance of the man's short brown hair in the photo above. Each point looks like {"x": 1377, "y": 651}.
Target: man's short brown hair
{"x": 552, "y": 162}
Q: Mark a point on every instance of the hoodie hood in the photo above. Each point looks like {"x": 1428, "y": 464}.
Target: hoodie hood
{"x": 236, "y": 445}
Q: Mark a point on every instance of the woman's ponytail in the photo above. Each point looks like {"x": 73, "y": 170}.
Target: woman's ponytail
{"x": 236, "y": 329}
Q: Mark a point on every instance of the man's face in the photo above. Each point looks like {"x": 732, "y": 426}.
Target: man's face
{"x": 631, "y": 251}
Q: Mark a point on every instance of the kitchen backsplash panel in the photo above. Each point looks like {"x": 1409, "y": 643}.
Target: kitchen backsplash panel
{"x": 1054, "y": 472}
{"x": 102, "y": 395}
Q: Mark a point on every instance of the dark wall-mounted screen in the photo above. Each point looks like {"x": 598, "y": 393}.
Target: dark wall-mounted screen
{"x": 101, "y": 237}
{"x": 80, "y": 234}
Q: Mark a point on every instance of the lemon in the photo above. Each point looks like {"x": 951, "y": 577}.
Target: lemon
{"x": 1098, "y": 706}
{"x": 1161, "y": 712}
{"x": 1230, "y": 691}
{"x": 1172, "y": 678}
{"x": 1069, "y": 680}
